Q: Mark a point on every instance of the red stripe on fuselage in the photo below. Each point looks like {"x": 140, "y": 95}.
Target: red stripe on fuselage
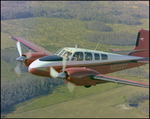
{"x": 101, "y": 68}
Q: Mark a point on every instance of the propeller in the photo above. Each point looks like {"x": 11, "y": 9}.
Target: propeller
{"x": 17, "y": 69}
{"x": 19, "y": 48}
{"x": 21, "y": 59}
{"x": 71, "y": 86}
{"x": 55, "y": 74}
{"x": 62, "y": 75}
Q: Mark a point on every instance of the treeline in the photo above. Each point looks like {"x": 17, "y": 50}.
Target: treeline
{"x": 98, "y": 26}
{"x": 105, "y": 11}
{"x": 13, "y": 92}
{"x": 111, "y": 38}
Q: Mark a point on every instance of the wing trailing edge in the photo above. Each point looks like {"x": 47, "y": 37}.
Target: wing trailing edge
{"x": 120, "y": 80}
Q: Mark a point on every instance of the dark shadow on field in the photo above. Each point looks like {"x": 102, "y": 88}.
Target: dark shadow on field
{"x": 134, "y": 105}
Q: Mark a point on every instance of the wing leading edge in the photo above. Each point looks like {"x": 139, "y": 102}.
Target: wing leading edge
{"x": 31, "y": 45}
{"x": 102, "y": 77}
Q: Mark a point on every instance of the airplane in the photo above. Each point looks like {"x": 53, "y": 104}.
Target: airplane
{"x": 84, "y": 67}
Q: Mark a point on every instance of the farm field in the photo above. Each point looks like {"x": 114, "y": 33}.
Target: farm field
{"x": 103, "y": 104}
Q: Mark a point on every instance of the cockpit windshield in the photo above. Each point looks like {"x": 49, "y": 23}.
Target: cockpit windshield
{"x": 64, "y": 52}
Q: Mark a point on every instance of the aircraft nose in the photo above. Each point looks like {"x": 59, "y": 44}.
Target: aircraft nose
{"x": 39, "y": 68}
{"x": 37, "y": 72}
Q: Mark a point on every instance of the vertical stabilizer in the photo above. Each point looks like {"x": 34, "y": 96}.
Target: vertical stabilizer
{"x": 142, "y": 43}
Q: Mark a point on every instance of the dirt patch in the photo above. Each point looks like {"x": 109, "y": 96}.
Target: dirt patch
{"x": 123, "y": 107}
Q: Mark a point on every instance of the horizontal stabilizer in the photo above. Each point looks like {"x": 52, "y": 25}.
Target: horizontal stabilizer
{"x": 127, "y": 52}
{"x": 141, "y": 61}
{"x": 115, "y": 50}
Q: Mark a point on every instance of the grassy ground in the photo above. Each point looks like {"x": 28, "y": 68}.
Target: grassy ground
{"x": 6, "y": 70}
{"x": 101, "y": 104}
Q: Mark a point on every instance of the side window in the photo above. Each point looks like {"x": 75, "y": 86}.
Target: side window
{"x": 78, "y": 56}
{"x": 88, "y": 56}
{"x": 96, "y": 55}
{"x": 104, "y": 56}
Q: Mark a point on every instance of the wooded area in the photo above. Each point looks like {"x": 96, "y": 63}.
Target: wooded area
{"x": 81, "y": 10}
{"x": 112, "y": 38}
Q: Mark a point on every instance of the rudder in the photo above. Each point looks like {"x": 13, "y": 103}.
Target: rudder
{"x": 142, "y": 43}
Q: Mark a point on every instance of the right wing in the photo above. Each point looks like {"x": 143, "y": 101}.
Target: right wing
{"x": 102, "y": 77}
{"x": 31, "y": 45}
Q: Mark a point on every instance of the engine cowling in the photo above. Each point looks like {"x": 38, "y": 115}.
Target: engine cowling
{"x": 34, "y": 56}
{"x": 81, "y": 76}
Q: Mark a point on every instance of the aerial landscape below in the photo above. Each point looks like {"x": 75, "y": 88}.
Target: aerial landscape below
{"x": 77, "y": 59}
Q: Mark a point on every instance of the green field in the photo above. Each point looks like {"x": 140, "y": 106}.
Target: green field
{"x": 103, "y": 101}
{"x": 99, "y": 104}
{"x": 54, "y": 33}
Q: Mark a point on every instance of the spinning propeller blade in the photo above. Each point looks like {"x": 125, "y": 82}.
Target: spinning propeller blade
{"x": 62, "y": 75}
{"x": 29, "y": 54}
{"x": 64, "y": 63}
{"x": 71, "y": 86}
{"x": 53, "y": 72}
{"x": 19, "y": 48}
{"x": 17, "y": 69}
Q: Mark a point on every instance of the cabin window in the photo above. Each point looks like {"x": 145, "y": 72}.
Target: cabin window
{"x": 88, "y": 56}
{"x": 97, "y": 57}
{"x": 104, "y": 56}
{"x": 78, "y": 56}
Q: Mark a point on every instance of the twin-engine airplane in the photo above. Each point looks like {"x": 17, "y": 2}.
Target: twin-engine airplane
{"x": 83, "y": 67}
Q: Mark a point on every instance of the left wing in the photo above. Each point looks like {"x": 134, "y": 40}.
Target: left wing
{"x": 102, "y": 77}
{"x": 31, "y": 45}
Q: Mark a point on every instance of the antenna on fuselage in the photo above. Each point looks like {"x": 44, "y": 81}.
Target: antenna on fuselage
{"x": 76, "y": 46}
{"x": 96, "y": 46}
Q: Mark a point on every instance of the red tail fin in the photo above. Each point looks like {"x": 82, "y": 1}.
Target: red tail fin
{"x": 142, "y": 43}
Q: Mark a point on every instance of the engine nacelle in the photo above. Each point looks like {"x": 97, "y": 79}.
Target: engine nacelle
{"x": 81, "y": 76}
{"x": 34, "y": 56}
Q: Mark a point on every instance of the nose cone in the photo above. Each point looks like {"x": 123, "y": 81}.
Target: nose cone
{"x": 37, "y": 72}
{"x": 21, "y": 59}
{"x": 39, "y": 68}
